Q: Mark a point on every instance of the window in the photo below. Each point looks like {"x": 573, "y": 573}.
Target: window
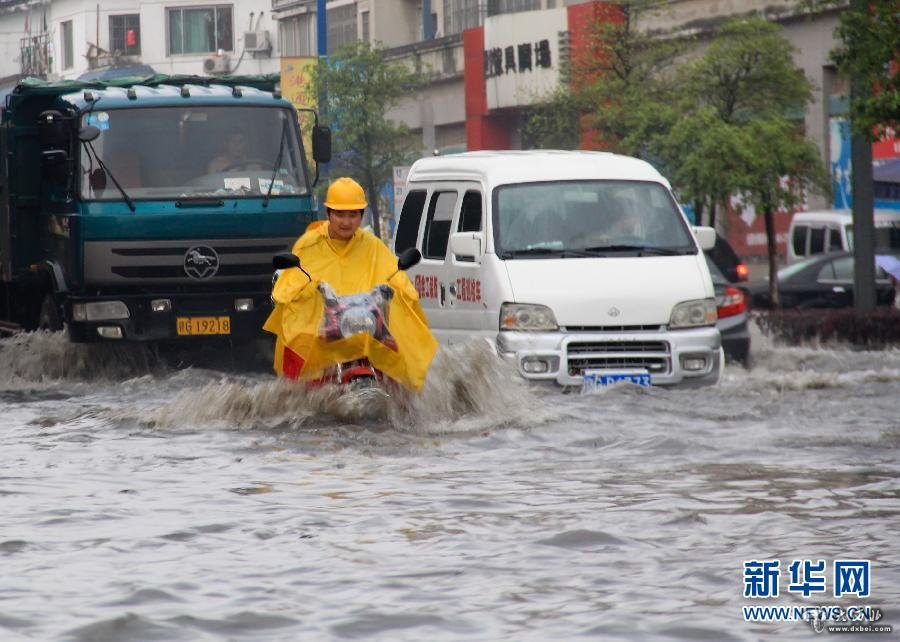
{"x": 799, "y": 240}
{"x": 410, "y": 217}
{"x": 834, "y": 240}
{"x": 495, "y": 7}
{"x": 125, "y": 34}
{"x": 470, "y": 213}
{"x": 816, "y": 240}
{"x": 437, "y": 228}
{"x": 68, "y": 48}
{"x": 460, "y": 15}
{"x": 297, "y": 35}
{"x": 341, "y": 27}
{"x": 843, "y": 268}
{"x": 200, "y": 30}
{"x": 365, "y": 26}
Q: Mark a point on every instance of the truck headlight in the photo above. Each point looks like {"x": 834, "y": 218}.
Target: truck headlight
{"x": 100, "y": 311}
{"x": 692, "y": 314}
{"x": 527, "y": 316}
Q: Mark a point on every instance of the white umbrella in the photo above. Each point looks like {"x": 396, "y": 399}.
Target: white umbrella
{"x": 888, "y": 263}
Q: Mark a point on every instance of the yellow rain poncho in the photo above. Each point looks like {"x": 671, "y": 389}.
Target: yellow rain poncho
{"x": 349, "y": 268}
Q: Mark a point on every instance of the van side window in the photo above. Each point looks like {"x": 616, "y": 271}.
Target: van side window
{"x": 816, "y": 240}
{"x": 799, "y": 240}
{"x": 410, "y": 217}
{"x": 437, "y": 227}
{"x": 834, "y": 240}
{"x": 470, "y": 213}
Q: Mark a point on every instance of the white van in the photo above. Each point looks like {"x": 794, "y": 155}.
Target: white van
{"x": 814, "y": 233}
{"x": 580, "y": 266}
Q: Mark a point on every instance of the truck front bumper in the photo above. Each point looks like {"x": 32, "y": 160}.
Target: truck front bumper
{"x": 690, "y": 357}
{"x": 186, "y": 317}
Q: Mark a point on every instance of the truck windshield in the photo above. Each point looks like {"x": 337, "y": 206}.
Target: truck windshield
{"x": 587, "y": 218}
{"x": 193, "y": 152}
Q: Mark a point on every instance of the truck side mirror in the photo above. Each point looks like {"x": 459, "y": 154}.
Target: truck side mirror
{"x": 53, "y": 129}
{"x": 88, "y": 133}
{"x": 321, "y": 143}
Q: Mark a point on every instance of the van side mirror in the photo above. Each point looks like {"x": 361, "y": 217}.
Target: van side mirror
{"x": 321, "y": 143}
{"x": 706, "y": 236}
{"x": 467, "y": 246}
{"x": 285, "y": 260}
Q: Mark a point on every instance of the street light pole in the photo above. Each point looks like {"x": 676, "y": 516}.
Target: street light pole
{"x": 863, "y": 196}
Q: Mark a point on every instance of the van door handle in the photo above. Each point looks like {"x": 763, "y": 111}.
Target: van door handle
{"x": 443, "y": 294}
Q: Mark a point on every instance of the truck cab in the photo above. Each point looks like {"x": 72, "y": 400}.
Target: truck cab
{"x": 149, "y": 212}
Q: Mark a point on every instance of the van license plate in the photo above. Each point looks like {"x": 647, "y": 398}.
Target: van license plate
{"x": 187, "y": 326}
{"x": 594, "y": 380}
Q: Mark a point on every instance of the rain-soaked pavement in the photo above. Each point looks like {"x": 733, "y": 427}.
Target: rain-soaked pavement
{"x": 143, "y": 500}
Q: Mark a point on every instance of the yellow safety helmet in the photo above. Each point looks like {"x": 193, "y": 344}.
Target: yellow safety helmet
{"x": 345, "y": 194}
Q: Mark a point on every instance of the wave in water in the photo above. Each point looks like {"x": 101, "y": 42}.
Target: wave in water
{"x": 468, "y": 388}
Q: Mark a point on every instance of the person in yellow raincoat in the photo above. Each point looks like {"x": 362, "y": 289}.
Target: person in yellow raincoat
{"x": 351, "y": 261}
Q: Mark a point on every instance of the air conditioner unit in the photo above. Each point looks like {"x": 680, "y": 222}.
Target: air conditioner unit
{"x": 216, "y": 65}
{"x": 257, "y": 41}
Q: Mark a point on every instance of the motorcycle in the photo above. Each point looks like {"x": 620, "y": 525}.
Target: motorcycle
{"x": 343, "y": 317}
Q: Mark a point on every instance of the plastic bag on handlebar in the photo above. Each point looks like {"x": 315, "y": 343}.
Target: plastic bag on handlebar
{"x": 362, "y": 313}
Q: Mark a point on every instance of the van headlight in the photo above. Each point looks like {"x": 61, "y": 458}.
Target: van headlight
{"x": 692, "y": 314}
{"x": 527, "y": 316}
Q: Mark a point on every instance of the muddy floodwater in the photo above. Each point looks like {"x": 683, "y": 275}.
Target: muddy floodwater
{"x": 144, "y": 499}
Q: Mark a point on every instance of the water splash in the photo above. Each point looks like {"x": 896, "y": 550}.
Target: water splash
{"x": 468, "y": 388}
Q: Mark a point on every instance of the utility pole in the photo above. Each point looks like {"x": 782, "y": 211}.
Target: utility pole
{"x": 863, "y": 197}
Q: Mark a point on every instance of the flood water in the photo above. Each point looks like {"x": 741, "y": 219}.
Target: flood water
{"x": 144, "y": 500}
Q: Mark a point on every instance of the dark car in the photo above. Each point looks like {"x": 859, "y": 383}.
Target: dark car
{"x": 731, "y": 303}
{"x": 823, "y": 281}
{"x": 727, "y": 260}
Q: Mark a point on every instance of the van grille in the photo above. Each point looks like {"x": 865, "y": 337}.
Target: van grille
{"x": 654, "y": 356}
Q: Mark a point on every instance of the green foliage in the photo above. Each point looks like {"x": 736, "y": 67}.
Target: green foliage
{"x": 869, "y": 53}
{"x": 873, "y": 329}
{"x": 360, "y": 86}
{"x": 748, "y": 72}
{"x": 554, "y": 122}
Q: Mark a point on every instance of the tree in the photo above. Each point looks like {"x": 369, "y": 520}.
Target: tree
{"x": 359, "y": 86}
{"x": 747, "y": 73}
{"x": 782, "y": 167}
{"x": 870, "y": 53}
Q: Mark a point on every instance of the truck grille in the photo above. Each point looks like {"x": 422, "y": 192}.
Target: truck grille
{"x": 137, "y": 262}
{"x": 653, "y": 356}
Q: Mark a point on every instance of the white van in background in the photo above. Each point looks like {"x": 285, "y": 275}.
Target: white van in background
{"x": 813, "y": 233}
{"x": 579, "y": 266}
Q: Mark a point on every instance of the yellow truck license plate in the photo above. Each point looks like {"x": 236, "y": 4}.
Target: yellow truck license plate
{"x": 203, "y": 325}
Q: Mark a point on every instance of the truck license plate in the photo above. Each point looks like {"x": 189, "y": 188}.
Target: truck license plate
{"x": 597, "y": 379}
{"x": 203, "y": 325}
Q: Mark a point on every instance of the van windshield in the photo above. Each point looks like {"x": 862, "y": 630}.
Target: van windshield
{"x": 588, "y": 218}
{"x": 198, "y": 151}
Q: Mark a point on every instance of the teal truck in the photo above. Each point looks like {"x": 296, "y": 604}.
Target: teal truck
{"x": 149, "y": 210}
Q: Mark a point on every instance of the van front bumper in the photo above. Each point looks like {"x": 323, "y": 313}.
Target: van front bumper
{"x": 690, "y": 357}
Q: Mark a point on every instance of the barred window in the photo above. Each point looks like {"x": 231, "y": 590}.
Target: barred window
{"x": 297, "y": 35}
{"x": 341, "y": 27}
{"x": 496, "y": 7}
{"x": 125, "y": 34}
{"x": 460, "y": 15}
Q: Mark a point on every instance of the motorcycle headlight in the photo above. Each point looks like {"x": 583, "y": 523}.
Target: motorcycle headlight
{"x": 356, "y": 321}
{"x": 692, "y": 314}
{"x": 527, "y": 316}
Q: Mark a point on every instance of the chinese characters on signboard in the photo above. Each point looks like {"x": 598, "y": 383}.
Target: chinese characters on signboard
{"x": 517, "y": 58}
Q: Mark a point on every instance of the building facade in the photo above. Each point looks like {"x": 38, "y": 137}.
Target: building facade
{"x": 66, "y": 39}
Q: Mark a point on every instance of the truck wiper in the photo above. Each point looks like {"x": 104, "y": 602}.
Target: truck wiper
{"x": 643, "y": 249}
{"x": 103, "y": 166}
{"x": 277, "y": 164}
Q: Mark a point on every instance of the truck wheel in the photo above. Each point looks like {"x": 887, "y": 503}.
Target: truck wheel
{"x": 49, "y": 318}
